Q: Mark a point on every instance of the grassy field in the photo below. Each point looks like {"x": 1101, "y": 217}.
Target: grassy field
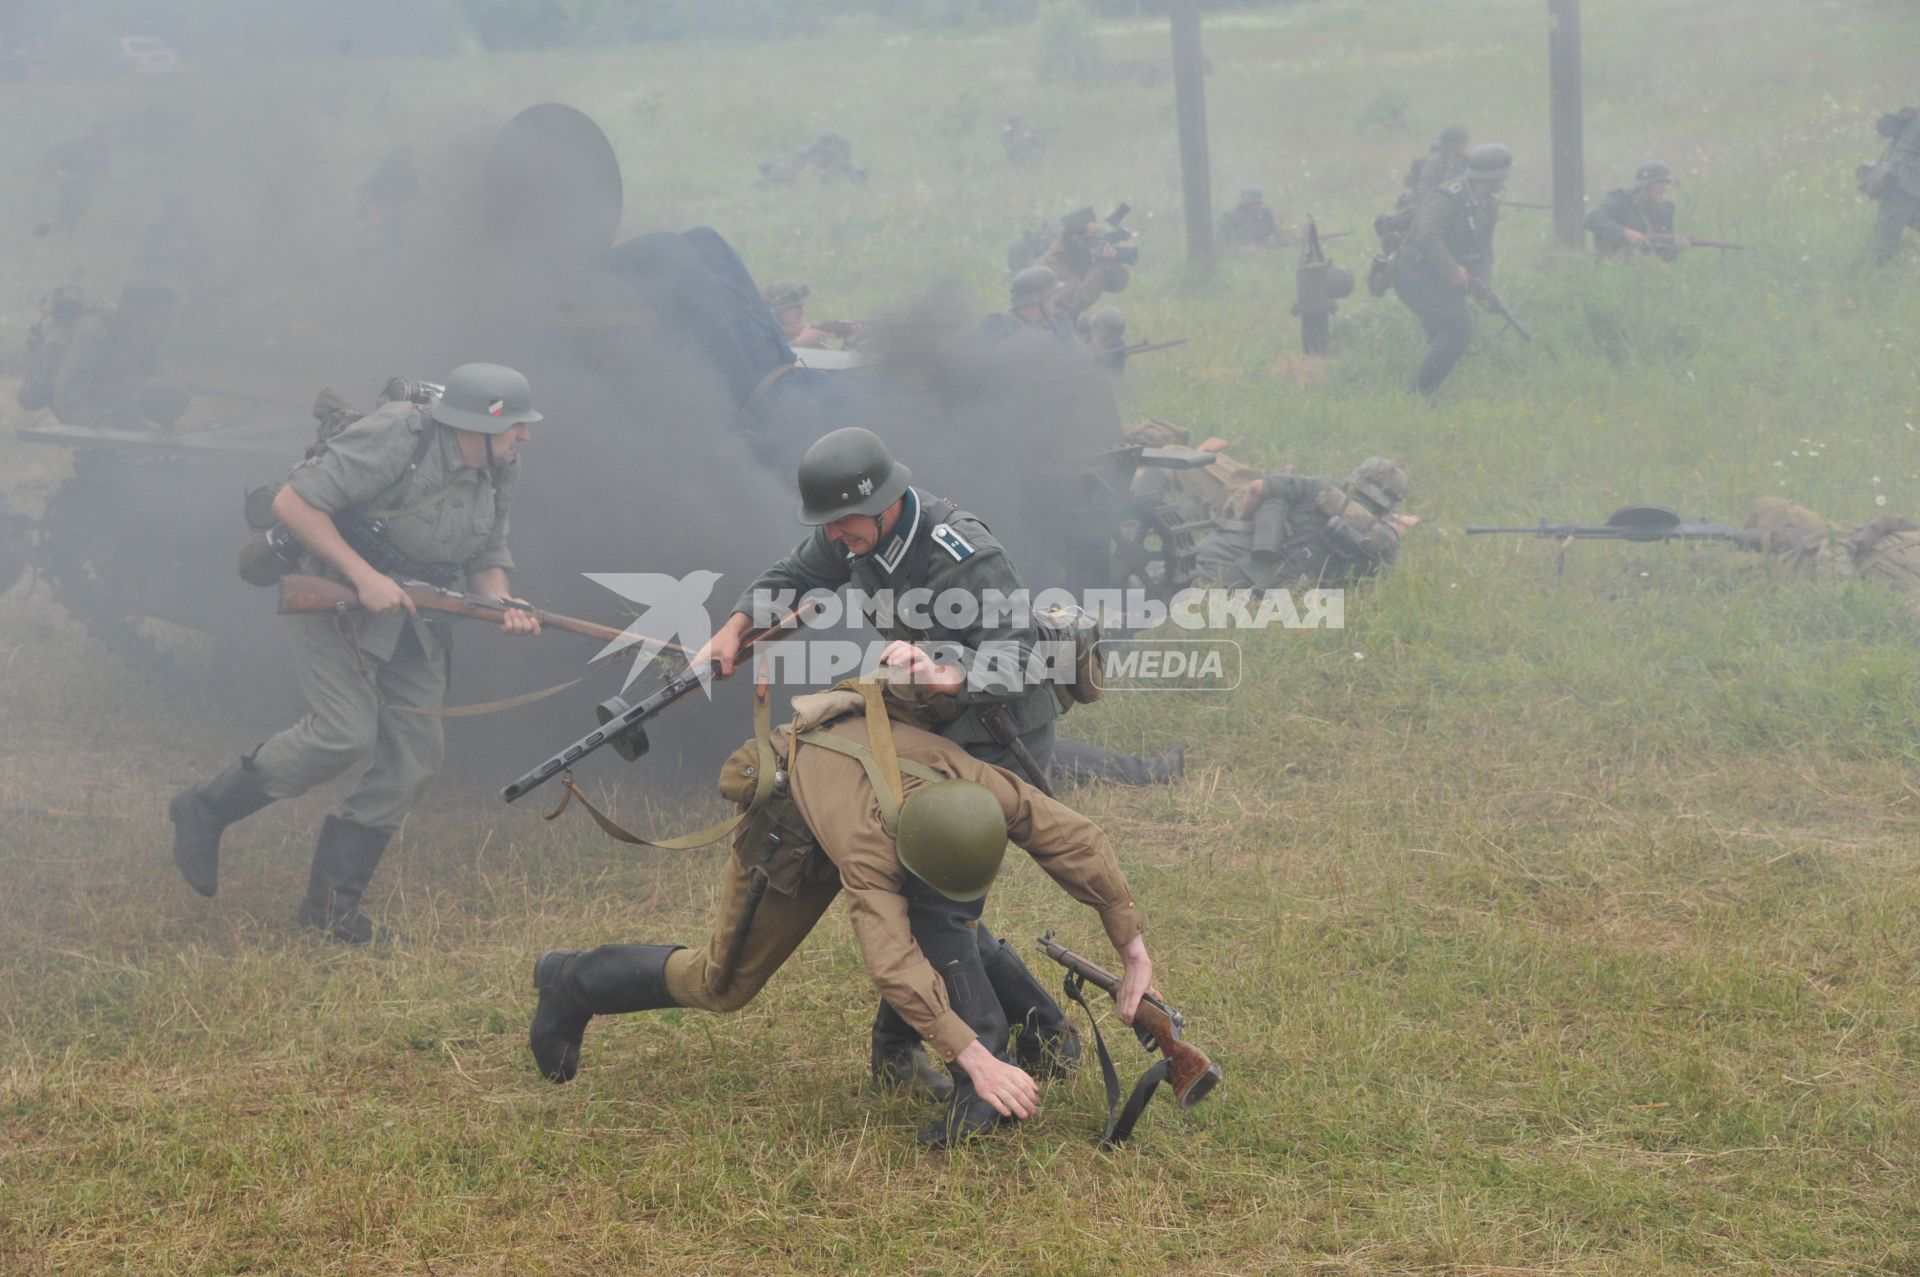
{"x": 1543, "y": 922}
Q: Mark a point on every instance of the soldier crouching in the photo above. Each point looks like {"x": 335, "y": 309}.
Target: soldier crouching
{"x": 827, "y": 819}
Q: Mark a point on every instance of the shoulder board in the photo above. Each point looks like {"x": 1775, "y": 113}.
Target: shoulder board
{"x": 952, "y": 542}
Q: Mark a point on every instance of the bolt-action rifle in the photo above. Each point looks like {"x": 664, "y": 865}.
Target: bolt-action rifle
{"x": 1144, "y": 347}
{"x": 300, "y": 593}
{"x": 623, "y": 726}
{"x": 1544, "y": 208}
{"x": 1662, "y": 240}
{"x": 1184, "y": 1067}
{"x": 1483, "y": 292}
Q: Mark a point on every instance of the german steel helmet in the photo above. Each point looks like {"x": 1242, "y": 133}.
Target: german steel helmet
{"x": 786, "y": 292}
{"x": 1650, "y": 172}
{"x": 1489, "y": 160}
{"x": 487, "y": 398}
{"x": 1380, "y": 481}
{"x": 849, "y": 472}
{"x": 952, "y": 836}
{"x": 1033, "y": 286}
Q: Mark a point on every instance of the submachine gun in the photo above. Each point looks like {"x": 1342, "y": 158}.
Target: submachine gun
{"x": 1183, "y": 1067}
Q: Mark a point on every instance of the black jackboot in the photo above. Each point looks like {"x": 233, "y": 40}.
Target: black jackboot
{"x": 900, "y": 1061}
{"x": 968, "y": 1116}
{"x": 201, "y": 813}
{"x": 576, "y": 985}
{"x": 1045, "y": 1044}
{"x": 344, "y": 859}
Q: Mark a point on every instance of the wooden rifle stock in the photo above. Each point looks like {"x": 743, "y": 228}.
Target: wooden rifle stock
{"x": 300, "y": 593}
{"x": 1191, "y": 1074}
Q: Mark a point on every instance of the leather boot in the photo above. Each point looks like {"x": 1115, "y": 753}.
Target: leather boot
{"x": 1045, "y": 1043}
{"x": 344, "y": 859}
{"x": 900, "y": 1060}
{"x": 968, "y": 1116}
{"x": 576, "y": 985}
{"x": 201, "y": 813}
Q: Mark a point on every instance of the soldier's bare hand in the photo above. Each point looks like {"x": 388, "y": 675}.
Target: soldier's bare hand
{"x": 1136, "y": 980}
{"x": 1005, "y": 1086}
{"x": 921, "y": 668}
{"x": 1249, "y": 499}
{"x": 514, "y": 621}
{"x": 382, "y": 595}
{"x": 1634, "y": 238}
{"x": 1459, "y": 277}
{"x": 723, "y": 647}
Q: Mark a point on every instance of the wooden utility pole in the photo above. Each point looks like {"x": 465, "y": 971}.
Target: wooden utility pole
{"x": 1569, "y": 160}
{"x": 1190, "y": 106}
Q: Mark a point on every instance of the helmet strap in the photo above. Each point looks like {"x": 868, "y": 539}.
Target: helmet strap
{"x": 490, "y": 461}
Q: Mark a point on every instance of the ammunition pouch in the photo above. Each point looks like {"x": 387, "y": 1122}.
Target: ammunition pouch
{"x": 1082, "y": 629}
{"x": 773, "y": 837}
{"x": 267, "y": 556}
{"x": 1353, "y": 530}
{"x": 365, "y": 537}
{"x": 1269, "y": 533}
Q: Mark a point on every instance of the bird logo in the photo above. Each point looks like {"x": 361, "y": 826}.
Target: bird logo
{"x": 673, "y": 610}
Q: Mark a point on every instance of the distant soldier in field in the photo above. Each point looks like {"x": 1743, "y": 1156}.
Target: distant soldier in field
{"x": 410, "y": 491}
{"x": 1448, "y": 255}
{"x": 74, "y": 166}
{"x": 915, "y": 863}
{"x": 1637, "y": 219}
{"x": 1031, "y": 309}
{"x": 1022, "y": 141}
{"x": 1303, "y": 530}
{"x": 1087, "y": 265}
{"x": 1445, "y": 161}
{"x": 1887, "y": 549}
{"x": 1105, "y": 334}
{"x": 787, "y": 299}
{"x": 1894, "y": 182}
{"x": 1249, "y": 224}
{"x": 108, "y": 367}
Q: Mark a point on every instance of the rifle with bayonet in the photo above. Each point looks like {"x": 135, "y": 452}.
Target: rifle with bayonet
{"x": 1484, "y": 294}
{"x": 1143, "y": 348}
{"x": 1544, "y": 208}
{"x": 1184, "y": 1067}
{"x": 301, "y": 594}
{"x": 623, "y": 726}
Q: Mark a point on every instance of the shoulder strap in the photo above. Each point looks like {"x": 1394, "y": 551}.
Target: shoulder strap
{"x": 427, "y": 437}
{"x": 762, "y": 790}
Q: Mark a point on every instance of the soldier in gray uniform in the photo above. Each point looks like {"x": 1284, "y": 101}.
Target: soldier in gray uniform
{"x": 876, "y": 532}
{"x": 107, "y": 372}
{"x": 1304, "y": 530}
{"x": 1637, "y": 218}
{"x": 1250, "y": 222}
{"x": 409, "y": 491}
{"x": 1445, "y": 161}
{"x": 1894, "y": 182}
{"x": 1448, "y": 250}
{"x": 1031, "y": 309}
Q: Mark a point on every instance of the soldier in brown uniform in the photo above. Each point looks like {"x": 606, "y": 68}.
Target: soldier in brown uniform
{"x": 411, "y": 492}
{"x": 833, "y": 806}
{"x": 1086, "y": 265}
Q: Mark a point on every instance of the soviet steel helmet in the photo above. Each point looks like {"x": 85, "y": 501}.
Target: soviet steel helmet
{"x": 952, "y": 836}
{"x": 487, "y": 398}
{"x": 1650, "y": 172}
{"x": 849, "y": 472}
{"x": 1380, "y": 481}
{"x": 1033, "y": 286}
{"x": 1489, "y": 161}
{"x": 786, "y": 292}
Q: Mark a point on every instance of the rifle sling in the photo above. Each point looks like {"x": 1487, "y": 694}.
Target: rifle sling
{"x": 1120, "y": 1124}
{"x": 762, "y": 790}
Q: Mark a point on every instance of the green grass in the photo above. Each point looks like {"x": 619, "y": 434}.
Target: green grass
{"x": 1543, "y": 922}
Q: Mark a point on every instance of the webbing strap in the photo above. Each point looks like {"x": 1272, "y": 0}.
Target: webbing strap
{"x": 1119, "y": 1124}
{"x": 427, "y": 437}
{"x": 865, "y": 757}
{"x": 762, "y": 789}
